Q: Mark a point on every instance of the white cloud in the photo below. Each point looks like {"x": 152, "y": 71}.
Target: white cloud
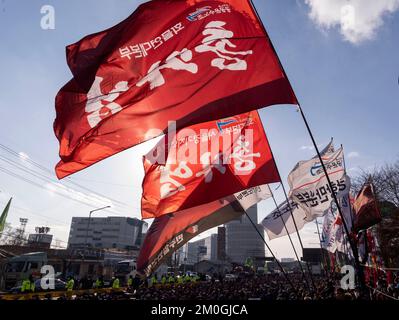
{"x": 311, "y": 147}
{"x": 353, "y": 154}
{"x": 358, "y": 20}
{"x": 307, "y": 148}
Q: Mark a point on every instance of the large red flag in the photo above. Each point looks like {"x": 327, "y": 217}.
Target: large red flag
{"x": 206, "y": 162}
{"x": 184, "y": 60}
{"x": 171, "y": 231}
{"x": 366, "y": 211}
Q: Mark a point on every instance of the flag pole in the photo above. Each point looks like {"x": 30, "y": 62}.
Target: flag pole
{"x": 290, "y": 208}
{"x": 349, "y": 203}
{"x": 349, "y": 200}
{"x": 289, "y": 237}
{"x": 297, "y": 231}
{"x": 353, "y": 247}
{"x": 321, "y": 249}
{"x": 352, "y": 244}
{"x": 271, "y": 252}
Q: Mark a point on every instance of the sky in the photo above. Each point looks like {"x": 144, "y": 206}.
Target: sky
{"x": 341, "y": 57}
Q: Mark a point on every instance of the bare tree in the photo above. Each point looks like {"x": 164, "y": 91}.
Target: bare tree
{"x": 385, "y": 180}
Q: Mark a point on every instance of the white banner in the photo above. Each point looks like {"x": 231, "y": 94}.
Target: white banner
{"x": 274, "y": 222}
{"x": 333, "y": 235}
{"x": 309, "y": 187}
{"x": 331, "y": 224}
{"x": 249, "y": 197}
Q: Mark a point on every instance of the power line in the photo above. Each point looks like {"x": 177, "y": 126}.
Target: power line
{"x": 37, "y": 214}
{"x": 130, "y": 186}
{"x": 80, "y": 194}
{"x": 13, "y": 174}
{"x": 43, "y": 168}
{"x": 42, "y": 177}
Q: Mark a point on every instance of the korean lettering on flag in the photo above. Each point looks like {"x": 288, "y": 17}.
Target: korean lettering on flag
{"x": 333, "y": 234}
{"x": 247, "y": 198}
{"x": 169, "y": 61}
{"x": 309, "y": 186}
{"x": 274, "y": 222}
{"x": 206, "y": 162}
{"x": 331, "y": 224}
{"x": 346, "y": 202}
{"x": 168, "y": 233}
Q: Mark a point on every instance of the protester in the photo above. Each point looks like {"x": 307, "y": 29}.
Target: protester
{"x": 245, "y": 287}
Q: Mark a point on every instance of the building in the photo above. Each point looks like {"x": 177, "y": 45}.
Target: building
{"x": 212, "y": 267}
{"x": 204, "y": 249}
{"x": 221, "y": 244}
{"x": 288, "y": 266}
{"x": 80, "y": 263}
{"x": 40, "y": 239}
{"x": 105, "y": 233}
{"x": 242, "y": 240}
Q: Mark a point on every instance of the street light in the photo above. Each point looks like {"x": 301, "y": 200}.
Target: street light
{"x": 88, "y": 222}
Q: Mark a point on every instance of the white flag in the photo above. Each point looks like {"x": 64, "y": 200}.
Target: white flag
{"x": 274, "y": 222}
{"x": 248, "y": 197}
{"x": 334, "y": 236}
{"x": 309, "y": 187}
{"x": 346, "y": 203}
{"x": 330, "y": 225}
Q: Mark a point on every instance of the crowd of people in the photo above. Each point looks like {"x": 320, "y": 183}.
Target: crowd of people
{"x": 268, "y": 287}
{"x": 244, "y": 286}
{"x": 249, "y": 287}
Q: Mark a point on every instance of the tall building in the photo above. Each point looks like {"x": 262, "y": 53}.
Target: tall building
{"x": 204, "y": 249}
{"x": 221, "y": 244}
{"x": 242, "y": 240}
{"x": 105, "y": 233}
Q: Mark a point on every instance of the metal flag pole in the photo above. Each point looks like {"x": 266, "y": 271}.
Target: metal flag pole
{"x": 349, "y": 200}
{"x": 296, "y": 229}
{"x": 291, "y": 212}
{"x": 321, "y": 249}
{"x": 271, "y": 252}
{"x": 292, "y": 243}
{"x": 350, "y": 207}
{"x": 353, "y": 246}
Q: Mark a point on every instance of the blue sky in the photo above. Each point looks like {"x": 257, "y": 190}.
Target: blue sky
{"x": 346, "y": 79}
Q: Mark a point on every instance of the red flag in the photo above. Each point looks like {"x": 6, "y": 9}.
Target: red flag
{"x": 206, "y": 162}
{"x": 170, "y": 232}
{"x": 182, "y": 60}
{"x": 366, "y": 209}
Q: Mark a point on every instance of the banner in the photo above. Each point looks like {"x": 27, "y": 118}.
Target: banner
{"x": 346, "y": 203}
{"x": 170, "y": 232}
{"x": 334, "y": 235}
{"x": 309, "y": 186}
{"x": 366, "y": 211}
{"x": 206, "y": 162}
{"x": 331, "y": 224}
{"x": 3, "y": 216}
{"x": 171, "y": 60}
{"x": 274, "y": 222}
{"x": 247, "y": 198}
